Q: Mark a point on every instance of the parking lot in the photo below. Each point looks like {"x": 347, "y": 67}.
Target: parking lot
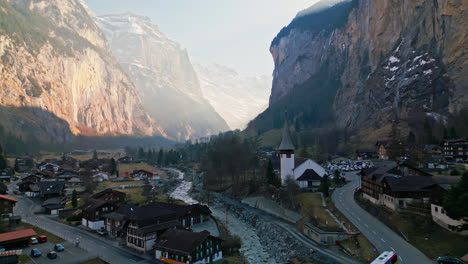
{"x": 70, "y": 255}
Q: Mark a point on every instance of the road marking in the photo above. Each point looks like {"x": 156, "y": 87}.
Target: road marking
{"x": 69, "y": 251}
{"x": 359, "y": 219}
{"x": 374, "y": 232}
{"x": 400, "y": 258}
{"x": 382, "y": 240}
{"x": 393, "y": 249}
{"x": 366, "y": 225}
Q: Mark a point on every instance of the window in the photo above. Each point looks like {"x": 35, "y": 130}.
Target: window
{"x": 436, "y": 209}
{"x": 442, "y": 211}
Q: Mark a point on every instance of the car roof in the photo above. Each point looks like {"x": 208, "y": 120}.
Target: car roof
{"x": 42, "y": 236}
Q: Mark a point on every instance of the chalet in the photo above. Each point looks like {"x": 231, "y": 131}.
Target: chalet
{"x": 434, "y": 151}
{"x": 382, "y": 149}
{"x": 365, "y": 154}
{"x": 371, "y": 180}
{"x": 6, "y": 207}
{"x": 146, "y": 224}
{"x": 437, "y": 193}
{"x": 51, "y": 189}
{"x": 182, "y": 246}
{"x": 31, "y": 178}
{"x": 139, "y": 175}
{"x": 110, "y": 195}
{"x": 92, "y": 213}
{"x": 455, "y": 149}
{"x": 49, "y": 167}
{"x": 6, "y": 175}
{"x": 407, "y": 193}
{"x": 30, "y": 189}
{"x": 100, "y": 176}
{"x": 96, "y": 165}
{"x": 53, "y": 206}
{"x": 125, "y": 160}
{"x": 297, "y": 168}
{"x": 188, "y": 215}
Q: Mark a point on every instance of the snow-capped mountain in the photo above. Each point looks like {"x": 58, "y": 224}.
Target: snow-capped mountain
{"x": 237, "y": 98}
{"x": 163, "y": 74}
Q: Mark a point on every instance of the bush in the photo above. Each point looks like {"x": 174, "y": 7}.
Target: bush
{"x": 74, "y": 218}
{"x": 454, "y": 172}
{"x": 231, "y": 244}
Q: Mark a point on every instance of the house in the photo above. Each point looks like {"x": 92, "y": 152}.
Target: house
{"x": 371, "y": 180}
{"x": 16, "y": 239}
{"x": 114, "y": 196}
{"x": 182, "y": 246}
{"x": 7, "y": 204}
{"x": 31, "y": 178}
{"x": 437, "y": 193}
{"x": 6, "y": 175}
{"x": 382, "y": 149}
{"x": 139, "y": 175}
{"x": 50, "y": 189}
{"x": 96, "y": 165}
{"x": 49, "y": 167}
{"x": 100, "y": 176}
{"x": 30, "y": 189}
{"x": 407, "y": 193}
{"x": 365, "y": 154}
{"x": 309, "y": 179}
{"x": 53, "y": 206}
{"x": 92, "y": 213}
{"x": 322, "y": 236}
{"x": 455, "y": 149}
{"x": 296, "y": 168}
{"x": 125, "y": 160}
{"x": 188, "y": 215}
{"x": 434, "y": 151}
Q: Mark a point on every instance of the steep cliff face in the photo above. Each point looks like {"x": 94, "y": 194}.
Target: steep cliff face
{"x": 237, "y": 98}
{"x": 384, "y": 60}
{"x": 163, "y": 74}
{"x": 57, "y": 77}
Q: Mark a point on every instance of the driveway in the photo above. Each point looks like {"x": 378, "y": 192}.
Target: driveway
{"x": 96, "y": 246}
{"x": 383, "y": 238}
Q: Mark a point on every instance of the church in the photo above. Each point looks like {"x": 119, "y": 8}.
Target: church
{"x": 306, "y": 172}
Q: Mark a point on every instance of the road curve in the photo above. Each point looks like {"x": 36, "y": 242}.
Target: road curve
{"x": 383, "y": 238}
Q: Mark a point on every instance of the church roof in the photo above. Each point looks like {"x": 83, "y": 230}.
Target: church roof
{"x": 309, "y": 175}
{"x": 286, "y": 142}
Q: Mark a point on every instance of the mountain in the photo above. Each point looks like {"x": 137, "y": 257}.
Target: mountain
{"x": 237, "y": 98}
{"x": 163, "y": 74}
{"x": 58, "y": 78}
{"x": 360, "y": 64}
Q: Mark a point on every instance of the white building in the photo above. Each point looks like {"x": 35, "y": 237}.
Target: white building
{"x": 305, "y": 171}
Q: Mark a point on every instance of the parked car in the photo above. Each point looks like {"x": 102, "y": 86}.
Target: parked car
{"x": 449, "y": 260}
{"x": 35, "y": 253}
{"x": 42, "y": 239}
{"x": 102, "y": 232}
{"x": 52, "y": 255}
{"x": 59, "y": 248}
{"x": 34, "y": 241}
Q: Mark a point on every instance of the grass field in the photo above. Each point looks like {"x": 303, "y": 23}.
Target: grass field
{"x": 313, "y": 211}
{"x": 40, "y": 232}
{"x": 24, "y": 259}
{"x": 69, "y": 204}
{"x": 134, "y": 195}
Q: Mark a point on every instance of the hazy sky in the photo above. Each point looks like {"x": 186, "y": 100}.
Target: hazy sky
{"x": 235, "y": 33}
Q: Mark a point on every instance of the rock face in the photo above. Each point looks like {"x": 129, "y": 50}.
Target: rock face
{"x": 384, "y": 60}
{"x": 163, "y": 74}
{"x": 237, "y": 98}
{"x": 58, "y": 78}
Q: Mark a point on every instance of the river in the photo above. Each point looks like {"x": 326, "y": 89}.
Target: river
{"x": 251, "y": 249}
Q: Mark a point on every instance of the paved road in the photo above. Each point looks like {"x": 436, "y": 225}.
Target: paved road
{"x": 383, "y": 238}
{"x": 106, "y": 249}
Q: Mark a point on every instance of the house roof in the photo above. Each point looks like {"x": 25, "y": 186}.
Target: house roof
{"x": 34, "y": 188}
{"x": 309, "y": 175}
{"x": 51, "y": 187}
{"x": 286, "y": 141}
{"x": 384, "y": 143}
{"x": 17, "y": 235}
{"x": 181, "y": 240}
{"x": 53, "y": 201}
{"x": 299, "y": 160}
{"x": 109, "y": 190}
{"x": 159, "y": 226}
{"x": 380, "y": 170}
{"x": 93, "y": 204}
{"x": 408, "y": 184}
{"x": 11, "y": 199}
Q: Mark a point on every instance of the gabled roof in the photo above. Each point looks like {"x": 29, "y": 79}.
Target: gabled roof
{"x": 286, "y": 141}
{"x": 181, "y": 240}
{"x": 299, "y": 160}
{"x": 8, "y": 198}
{"x": 51, "y": 187}
{"x": 309, "y": 175}
{"x": 109, "y": 190}
{"x": 93, "y": 204}
{"x": 409, "y": 183}
{"x": 17, "y": 235}
{"x": 380, "y": 170}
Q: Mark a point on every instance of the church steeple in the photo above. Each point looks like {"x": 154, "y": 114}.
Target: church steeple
{"x": 286, "y": 150}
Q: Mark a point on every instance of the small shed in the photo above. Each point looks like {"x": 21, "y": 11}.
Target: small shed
{"x": 324, "y": 237}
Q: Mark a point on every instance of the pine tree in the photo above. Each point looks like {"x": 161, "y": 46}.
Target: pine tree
{"x": 456, "y": 200}
{"x": 395, "y": 150}
{"x": 324, "y": 185}
{"x": 113, "y": 166}
{"x": 95, "y": 155}
{"x": 270, "y": 173}
{"x": 160, "y": 157}
{"x": 3, "y": 163}
{"x": 74, "y": 201}
{"x": 17, "y": 169}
